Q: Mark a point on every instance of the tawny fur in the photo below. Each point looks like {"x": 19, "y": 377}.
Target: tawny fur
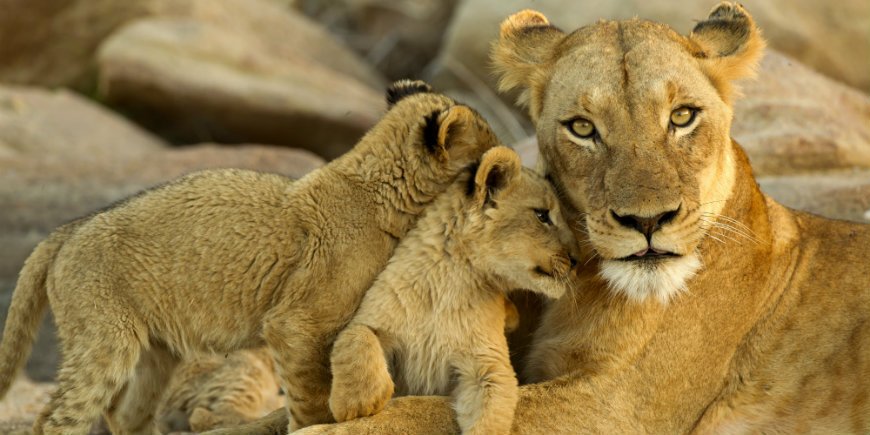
{"x": 215, "y": 391}
{"x": 770, "y": 334}
{"x": 228, "y": 259}
{"x": 436, "y": 314}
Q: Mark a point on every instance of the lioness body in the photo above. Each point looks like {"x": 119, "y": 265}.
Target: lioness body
{"x": 228, "y": 259}
{"x": 435, "y": 317}
{"x": 706, "y": 306}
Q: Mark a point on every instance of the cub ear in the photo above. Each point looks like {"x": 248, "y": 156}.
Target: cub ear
{"x": 402, "y": 88}
{"x": 525, "y": 43}
{"x": 498, "y": 168}
{"x": 457, "y": 128}
{"x": 730, "y": 46}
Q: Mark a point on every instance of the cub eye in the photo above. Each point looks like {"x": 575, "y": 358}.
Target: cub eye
{"x": 683, "y": 116}
{"x": 543, "y": 215}
{"x": 582, "y": 128}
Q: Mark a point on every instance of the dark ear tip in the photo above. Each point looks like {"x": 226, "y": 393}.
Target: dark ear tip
{"x": 403, "y": 88}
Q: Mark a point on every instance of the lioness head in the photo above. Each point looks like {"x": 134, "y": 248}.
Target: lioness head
{"x": 633, "y": 126}
{"x": 517, "y": 226}
{"x": 428, "y": 135}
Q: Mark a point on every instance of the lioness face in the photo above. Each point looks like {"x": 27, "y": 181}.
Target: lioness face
{"x": 522, "y": 237}
{"x": 633, "y": 127}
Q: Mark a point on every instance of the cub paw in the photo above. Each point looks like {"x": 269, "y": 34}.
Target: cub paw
{"x": 360, "y": 399}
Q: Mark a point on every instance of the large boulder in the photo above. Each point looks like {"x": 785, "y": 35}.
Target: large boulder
{"x": 844, "y": 195}
{"x": 51, "y": 43}
{"x": 831, "y": 37}
{"x": 792, "y": 120}
{"x": 194, "y": 80}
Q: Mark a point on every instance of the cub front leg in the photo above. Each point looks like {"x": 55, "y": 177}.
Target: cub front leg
{"x": 486, "y": 393}
{"x": 361, "y": 382}
{"x": 299, "y": 346}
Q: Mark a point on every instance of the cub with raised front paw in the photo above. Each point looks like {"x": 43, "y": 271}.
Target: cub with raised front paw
{"x": 433, "y": 322}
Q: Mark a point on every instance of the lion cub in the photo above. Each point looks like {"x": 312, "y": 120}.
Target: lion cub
{"x": 436, "y": 314}
{"x": 227, "y": 259}
{"x": 214, "y": 391}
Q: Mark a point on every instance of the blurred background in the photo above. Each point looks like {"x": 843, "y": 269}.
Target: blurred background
{"x": 102, "y": 98}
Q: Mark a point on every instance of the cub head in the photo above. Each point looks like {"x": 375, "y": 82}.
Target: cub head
{"x": 517, "y": 227}
{"x": 633, "y": 125}
{"x": 431, "y": 137}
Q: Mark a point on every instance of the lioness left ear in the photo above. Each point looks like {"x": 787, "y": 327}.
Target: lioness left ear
{"x": 730, "y": 45}
{"x": 525, "y": 43}
{"x": 498, "y": 167}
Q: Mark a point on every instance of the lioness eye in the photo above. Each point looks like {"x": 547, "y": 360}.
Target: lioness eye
{"x": 683, "y": 116}
{"x": 543, "y": 215}
{"x": 582, "y": 128}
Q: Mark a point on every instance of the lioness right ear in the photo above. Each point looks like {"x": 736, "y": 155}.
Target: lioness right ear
{"x": 526, "y": 40}
{"x": 498, "y": 167}
{"x": 730, "y": 46}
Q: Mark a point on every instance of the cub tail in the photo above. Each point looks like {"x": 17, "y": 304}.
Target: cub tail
{"x": 28, "y": 307}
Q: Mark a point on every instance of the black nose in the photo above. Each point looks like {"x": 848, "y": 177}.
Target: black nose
{"x": 646, "y": 225}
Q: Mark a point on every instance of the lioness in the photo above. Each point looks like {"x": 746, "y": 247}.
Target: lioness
{"x": 227, "y": 259}
{"x": 706, "y": 307}
{"x": 435, "y": 317}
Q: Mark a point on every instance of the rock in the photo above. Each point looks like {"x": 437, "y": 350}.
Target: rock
{"x": 398, "y": 37}
{"x": 832, "y": 37}
{"x": 22, "y": 405}
{"x": 61, "y": 124}
{"x": 840, "y": 196}
{"x": 792, "y": 120}
{"x": 53, "y": 43}
{"x": 192, "y": 80}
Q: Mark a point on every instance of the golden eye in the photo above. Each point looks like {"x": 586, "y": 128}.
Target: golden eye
{"x": 683, "y": 116}
{"x": 582, "y": 128}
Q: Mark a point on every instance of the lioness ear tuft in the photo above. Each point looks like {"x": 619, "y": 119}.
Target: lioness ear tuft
{"x": 498, "y": 167}
{"x": 525, "y": 43}
{"x": 730, "y": 46}
{"x": 403, "y": 88}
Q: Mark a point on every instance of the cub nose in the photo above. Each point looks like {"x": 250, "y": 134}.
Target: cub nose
{"x": 645, "y": 225}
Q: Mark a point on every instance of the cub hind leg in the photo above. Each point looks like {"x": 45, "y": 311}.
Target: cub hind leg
{"x": 133, "y": 410}
{"x": 100, "y": 350}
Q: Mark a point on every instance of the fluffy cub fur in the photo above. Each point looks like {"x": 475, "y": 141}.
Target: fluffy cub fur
{"x": 227, "y": 259}
{"x": 436, "y": 315}
{"x": 220, "y": 391}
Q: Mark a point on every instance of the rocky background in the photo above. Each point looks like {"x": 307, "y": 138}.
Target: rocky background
{"x": 102, "y": 98}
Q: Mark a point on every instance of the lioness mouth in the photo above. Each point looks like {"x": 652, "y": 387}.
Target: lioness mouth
{"x": 649, "y": 254}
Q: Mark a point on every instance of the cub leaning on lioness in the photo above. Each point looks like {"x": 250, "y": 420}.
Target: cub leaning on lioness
{"x": 435, "y": 317}
{"x": 227, "y": 259}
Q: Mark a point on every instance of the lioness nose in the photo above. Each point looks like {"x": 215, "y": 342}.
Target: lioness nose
{"x": 646, "y": 225}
